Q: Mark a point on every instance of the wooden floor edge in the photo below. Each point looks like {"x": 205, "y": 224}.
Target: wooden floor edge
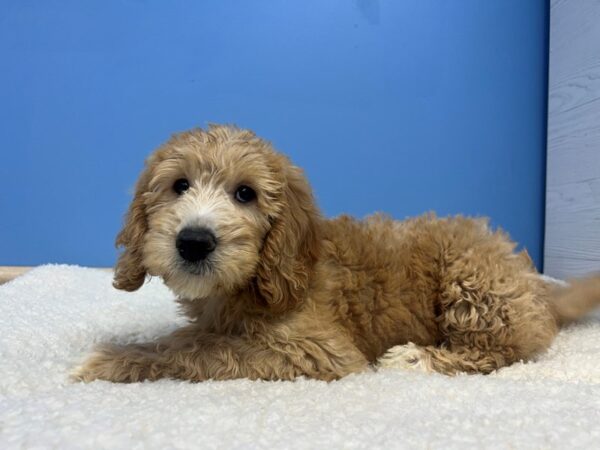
{"x": 8, "y": 273}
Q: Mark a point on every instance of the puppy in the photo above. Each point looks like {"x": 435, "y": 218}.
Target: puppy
{"x": 274, "y": 291}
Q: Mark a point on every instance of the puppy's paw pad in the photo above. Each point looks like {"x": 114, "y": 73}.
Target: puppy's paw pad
{"x": 409, "y": 357}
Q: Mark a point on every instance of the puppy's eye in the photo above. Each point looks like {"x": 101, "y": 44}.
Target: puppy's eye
{"x": 181, "y": 185}
{"x": 245, "y": 194}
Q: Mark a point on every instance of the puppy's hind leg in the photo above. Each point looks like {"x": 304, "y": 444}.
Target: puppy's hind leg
{"x": 490, "y": 318}
{"x": 443, "y": 360}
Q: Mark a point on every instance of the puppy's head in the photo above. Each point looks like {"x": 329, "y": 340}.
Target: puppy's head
{"x": 219, "y": 211}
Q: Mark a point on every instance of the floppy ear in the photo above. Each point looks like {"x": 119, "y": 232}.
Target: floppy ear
{"x": 130, "y": 272}
{"x": 291, "y": 247}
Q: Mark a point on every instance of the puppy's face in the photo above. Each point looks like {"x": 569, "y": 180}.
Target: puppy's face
{"x": 209, "y": 209}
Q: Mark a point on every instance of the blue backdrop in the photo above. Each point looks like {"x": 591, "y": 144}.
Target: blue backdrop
{"x": 397, "y": 106}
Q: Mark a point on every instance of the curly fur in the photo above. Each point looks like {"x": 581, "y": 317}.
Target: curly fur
{"x": 288, "y": 293}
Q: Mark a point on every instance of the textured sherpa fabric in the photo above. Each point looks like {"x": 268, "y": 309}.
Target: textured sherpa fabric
{"x": 52, "y": 316}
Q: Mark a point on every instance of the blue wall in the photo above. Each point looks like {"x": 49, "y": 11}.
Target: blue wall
{"x": 398, "y": 106}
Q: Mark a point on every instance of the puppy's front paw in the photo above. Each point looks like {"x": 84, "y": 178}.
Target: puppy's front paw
{"x": 97, "y": 366}
{"x": 409, "y": 356}
{"x": 118, "y": 364}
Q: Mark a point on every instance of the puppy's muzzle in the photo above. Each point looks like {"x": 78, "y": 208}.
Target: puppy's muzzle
{"x": 195, "y": 244}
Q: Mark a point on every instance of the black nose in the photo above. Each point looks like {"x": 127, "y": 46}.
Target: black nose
{"x": 195, "y": 244}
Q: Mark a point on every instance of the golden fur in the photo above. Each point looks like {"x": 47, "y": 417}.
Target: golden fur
{"x": 288, "y": 293}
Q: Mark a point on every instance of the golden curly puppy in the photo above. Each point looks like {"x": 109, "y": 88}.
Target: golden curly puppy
{"x": 274, "y": 291}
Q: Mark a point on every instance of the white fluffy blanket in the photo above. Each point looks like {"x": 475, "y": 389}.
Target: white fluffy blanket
{"x": 53, "y": 315}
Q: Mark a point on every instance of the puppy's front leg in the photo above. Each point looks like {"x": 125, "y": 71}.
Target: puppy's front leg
{"x": 122, "y": 363}
{"x": 190, "y": 354}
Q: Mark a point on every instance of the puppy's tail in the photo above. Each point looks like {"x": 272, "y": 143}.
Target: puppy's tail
{"x": 575, "y": 300}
